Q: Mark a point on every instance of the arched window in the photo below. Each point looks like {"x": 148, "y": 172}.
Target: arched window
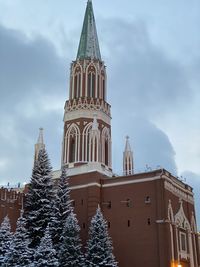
{"x": 72, "y": 150}
{"x": 106, "y": 146}
{"x": 77, "y": 85}
{"x": 72, "y": 144}
{"x": 91, "y": 84}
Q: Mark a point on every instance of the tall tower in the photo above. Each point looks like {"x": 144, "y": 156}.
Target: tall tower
{"x": 87, "y": 118}
{"x": 128, "y": 166}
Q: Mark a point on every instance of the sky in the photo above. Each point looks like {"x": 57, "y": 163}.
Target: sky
{"x": 151, "y": 50}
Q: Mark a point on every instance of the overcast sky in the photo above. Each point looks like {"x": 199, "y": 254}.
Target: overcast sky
{"x": 151, "y": 49}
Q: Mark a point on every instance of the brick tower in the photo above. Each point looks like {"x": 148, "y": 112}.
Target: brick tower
{"x": 87, "y": 118}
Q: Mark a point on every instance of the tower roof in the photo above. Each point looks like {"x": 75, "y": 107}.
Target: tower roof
{"x": 89, "y": 44}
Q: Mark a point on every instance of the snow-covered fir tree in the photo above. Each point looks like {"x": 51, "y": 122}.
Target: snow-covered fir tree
{"x": 5, "y": 238}
{"x": 19, "y": 254}
{"x": 45, "y": 254}
{"x": 99, "y": 250}
{"x": 39, "y": 198}
{"x": 70, "y": 254}
{"x": 61, "y": 208}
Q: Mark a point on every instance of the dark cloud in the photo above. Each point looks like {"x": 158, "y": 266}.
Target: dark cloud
{"x": 32, "y": 79}
{"x": 143, "y": 78}
{"x": 151, "y": 146}
{"x": 28, "y": 67}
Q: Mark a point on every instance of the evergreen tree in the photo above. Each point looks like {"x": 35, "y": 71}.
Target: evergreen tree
{"x": 5, "y": 238}
{"x": 70, "y": 251}
{"x": 99, "y": 246}
{"x": 45, "y": 255}
{"x": 39, "y": 199}
{"x": 19, "y": 255}
{"x": 61, "y": 208}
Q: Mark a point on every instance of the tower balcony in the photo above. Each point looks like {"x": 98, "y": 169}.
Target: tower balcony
{"x": 88, "y": 103}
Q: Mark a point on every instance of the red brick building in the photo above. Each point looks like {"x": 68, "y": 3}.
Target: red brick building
{"x": 151, "y": 215}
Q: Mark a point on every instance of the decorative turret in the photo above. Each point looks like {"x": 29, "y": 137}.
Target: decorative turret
{"x": 87, "y": 138}
{"x": 40, "y": 144}
{"x": 128, "y": 166}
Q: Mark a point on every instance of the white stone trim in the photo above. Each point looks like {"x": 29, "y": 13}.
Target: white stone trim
{"x": 89, "y": 114}
{"x": 84, "y": 186}
{"x": 132, "y": 182}
{"x": 178, "y": 191}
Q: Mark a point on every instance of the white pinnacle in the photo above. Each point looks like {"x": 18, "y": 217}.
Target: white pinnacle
{"x": 127, "y": 146}
{"x": 40, "y": 137}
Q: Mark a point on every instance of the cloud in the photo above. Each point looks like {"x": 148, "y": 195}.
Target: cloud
{"x": 33, "y": 84}
{"x": 142, "y": 75}
{"x": 150, "y": 145}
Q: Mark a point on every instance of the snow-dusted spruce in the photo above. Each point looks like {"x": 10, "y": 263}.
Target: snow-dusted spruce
{"x": 39, "y": 199}
{"x": 70, "y": 250}
{"x": 19, "y": 255}
{"x": 5, "y": 238}
{"x": 61, "y": 208}
{"x": 99, "y": 250}
{"x": 45, "y": 254}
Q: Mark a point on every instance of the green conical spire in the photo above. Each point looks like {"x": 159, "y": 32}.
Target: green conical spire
{"x": 89, "y": 45}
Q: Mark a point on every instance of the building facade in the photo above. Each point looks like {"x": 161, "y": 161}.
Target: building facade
{"x": 150, "y": 215}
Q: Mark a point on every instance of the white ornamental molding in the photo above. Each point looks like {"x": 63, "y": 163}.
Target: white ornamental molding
{"x": 178, "y": 192}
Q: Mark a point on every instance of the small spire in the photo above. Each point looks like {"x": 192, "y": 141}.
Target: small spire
{"x": 40, "y": 144}
{"x": 40, "y": 137}
{"x": 128, "y": 165}
{"x": 127, "y": 146}
{"x": 89, "y": 44}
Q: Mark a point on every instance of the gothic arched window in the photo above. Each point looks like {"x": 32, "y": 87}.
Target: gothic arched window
{"x": 77, "y": 85}
{"x": 72, "y": 144}
{"x": 91, "y": 84}
{"x": 72, "y": 150}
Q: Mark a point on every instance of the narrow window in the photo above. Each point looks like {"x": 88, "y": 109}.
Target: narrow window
{"x": 83, "y": 225}
{"x": 89, "y": 85}
{"x": 183, "y": 242}
{"x": 129, "y": 223}
{"x": 106, "y": 152}
{"x": 72, "y": 150}
{"x": 93, "y": 86}
{"x": 82, "y": 202}
{"x": 149, "y": 221}
{"x": 108, "y": 224}
{"x": 147, "y": 199}
{"x": 75, "y": 86}
{"x": 128, "y": 203}
{"x": 79, "y": 85}
{"x": 103, "y": 89}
